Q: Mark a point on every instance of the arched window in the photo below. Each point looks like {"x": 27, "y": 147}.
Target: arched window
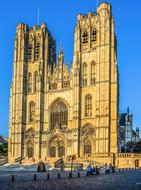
{"x": 35, "y": 81}
{"x": 37, "y": 48}
{"x": 93, "y": 73}
{"x": 88, "y": 106}
{"x": 29, "y": 56}
{"x": 84, "y": 74}
{"x": 58, "y": 115}
{"x": 32, "y": 112}
{"x": 29, "y": 83}
{"x": 94, "y": 35}
{"x": 85, "y": 37}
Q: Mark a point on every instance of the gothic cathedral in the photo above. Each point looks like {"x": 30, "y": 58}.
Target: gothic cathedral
{"x": 55, "y": 111}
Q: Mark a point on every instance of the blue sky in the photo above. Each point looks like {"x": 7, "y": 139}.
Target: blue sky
{"x": 60, "y": 16}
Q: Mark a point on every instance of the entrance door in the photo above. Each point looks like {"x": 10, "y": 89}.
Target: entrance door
{"x": 61, "y": 151}
{"x": 53, "y": 151}
{"x": 136, "y": 163}
{"x": 30, "y": 151}
{"x": 87, "y": 149}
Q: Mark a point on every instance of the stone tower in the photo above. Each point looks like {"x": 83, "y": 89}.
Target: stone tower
{"x": 95, "y": 55}
{"x": 34, "y": 54}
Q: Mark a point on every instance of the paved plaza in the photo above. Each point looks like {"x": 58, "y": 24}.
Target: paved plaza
{"x": 127, "y": 180}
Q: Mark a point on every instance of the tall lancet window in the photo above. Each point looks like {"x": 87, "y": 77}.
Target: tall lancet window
{"x": 93, "y": 73}
{"x": 37, "y": 48}
{"x": 32, "y": 112}
{"x": 84, "y": 72}
{"x": 58, "y": 115}
{"x": 88, "y": 105}
{"x": 94, "y": 35}
{"x": 35, "y": 81}
{"x": 29, "y": 83}
{"x": 29, "y": 56}
{"x": 85, "y": 37}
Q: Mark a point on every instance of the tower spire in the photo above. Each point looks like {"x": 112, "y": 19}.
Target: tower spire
{"x": 61, "y": 55}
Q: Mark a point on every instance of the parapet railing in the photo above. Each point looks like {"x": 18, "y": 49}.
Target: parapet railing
{"x": 119, "y": 155}
{"x": 100, "y": 155}
{"x": 19, "y": 159}
{"x": 93, "y": 155}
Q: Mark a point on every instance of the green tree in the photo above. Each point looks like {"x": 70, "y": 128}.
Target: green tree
{"x": 3, "y": 149}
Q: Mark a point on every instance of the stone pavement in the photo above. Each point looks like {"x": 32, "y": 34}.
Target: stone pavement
{"x": 129, "y": 180}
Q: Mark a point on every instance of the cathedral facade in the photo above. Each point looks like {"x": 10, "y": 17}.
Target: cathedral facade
{"x": 56, "y": 111}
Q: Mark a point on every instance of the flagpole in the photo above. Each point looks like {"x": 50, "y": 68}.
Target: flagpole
{"x": 38, "y": 17}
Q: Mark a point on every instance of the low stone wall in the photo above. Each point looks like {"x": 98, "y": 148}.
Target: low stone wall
{"x": 124, "y": 160}
{"x": 120, "y": 160}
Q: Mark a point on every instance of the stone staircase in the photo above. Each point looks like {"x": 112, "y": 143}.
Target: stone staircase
{"x": 88, "y": 160}
{"x": 53, "y": 162}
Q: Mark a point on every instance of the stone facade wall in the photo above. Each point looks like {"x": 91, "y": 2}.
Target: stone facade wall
{"x": 94, "y": 47}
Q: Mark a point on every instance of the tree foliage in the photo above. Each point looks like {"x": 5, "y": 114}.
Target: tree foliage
{"x": 3, "y": 149}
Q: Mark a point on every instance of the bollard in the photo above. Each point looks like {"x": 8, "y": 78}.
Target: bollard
{"x": 97, "y": 172}
{"x": 70, "y": 175}
{"x": 119, "y": 170}
{"x": 13, "y": 179}
{"x": 78, "y": 174}
{"x": 87, "y": 173}
{"x": 113, "y": 170}
{"x": 48, "y": 176}
{"x": 35, "y": 177}
{"x": 58, "y": 175}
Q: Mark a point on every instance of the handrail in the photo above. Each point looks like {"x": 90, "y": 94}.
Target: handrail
{"x": 3, "y": 161}
{"x": 19, "y": 159}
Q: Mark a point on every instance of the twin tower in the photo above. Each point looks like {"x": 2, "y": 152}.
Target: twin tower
{"x": 55, "y": 111}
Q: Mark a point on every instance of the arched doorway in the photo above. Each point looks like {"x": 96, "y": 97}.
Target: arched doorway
{"x": 29, "y": 145}
{"x": 57, "y": 147}
{"x": 136, "y": 163}
{"x": 30, "y": 150}
{"x": 53, "y": 151}
{"x": 58, "y": 115}
{"x": 87, "y": 140}
{"x": 61, "y": 151}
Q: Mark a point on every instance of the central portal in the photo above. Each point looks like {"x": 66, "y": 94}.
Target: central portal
{"x": 30, "y": 150}
{"x": 57, "y": 147}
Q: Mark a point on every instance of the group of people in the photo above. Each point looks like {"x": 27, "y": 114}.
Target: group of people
{"x": 91, "y": 170}
{"x": 94, "y": 169}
